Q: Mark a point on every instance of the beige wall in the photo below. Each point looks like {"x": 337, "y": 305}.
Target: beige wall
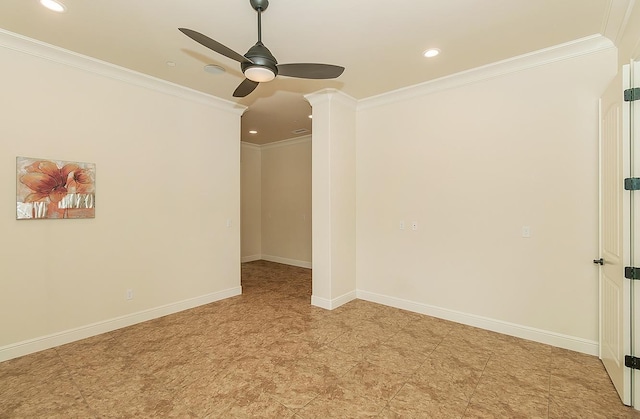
{"x": 286, "y": 202}
{"x": 276, "y": 202}
{"x": 472, "y": 165}
{"x": 168, "y": 179}
{"x": 251, "y": 201}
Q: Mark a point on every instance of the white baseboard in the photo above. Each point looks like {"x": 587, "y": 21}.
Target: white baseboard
{"x": 334, "y": 303}
{"x": 292, "y": 262}
{"x": 46, "y": 342}
{"x": 525, "y": 332}
{"x": 252, "y": 258}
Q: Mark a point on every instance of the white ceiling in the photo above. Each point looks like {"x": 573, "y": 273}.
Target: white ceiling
{"x": 379, "y": 43}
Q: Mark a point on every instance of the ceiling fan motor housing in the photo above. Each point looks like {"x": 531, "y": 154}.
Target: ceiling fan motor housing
{"x": 260, "y": 56}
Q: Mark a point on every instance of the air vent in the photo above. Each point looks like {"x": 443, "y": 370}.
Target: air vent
{"x": 300, "y": 131}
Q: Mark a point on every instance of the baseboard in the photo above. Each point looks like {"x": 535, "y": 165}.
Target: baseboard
{"x": 292, "y": 262}
{"x": 252, "y": 258}
{"x": 334, "y": 303}
{"x": 46, "y": 342}
{"x": 525, "y": 332}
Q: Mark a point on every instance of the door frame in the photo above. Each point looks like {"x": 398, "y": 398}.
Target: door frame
{"x": 615, "y": 302}
{"x": 631, "y": 135}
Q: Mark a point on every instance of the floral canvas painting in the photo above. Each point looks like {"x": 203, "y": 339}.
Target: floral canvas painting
{"x": 54, "y": 189}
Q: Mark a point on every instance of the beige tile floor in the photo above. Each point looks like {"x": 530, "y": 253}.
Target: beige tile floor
{"x": 269, "y": 354}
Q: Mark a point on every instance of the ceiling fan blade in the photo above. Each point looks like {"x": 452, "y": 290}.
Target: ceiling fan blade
{"x": 214, "y": 45}
{"x": 310, "y": 71}
{"x": 246, "y": 87}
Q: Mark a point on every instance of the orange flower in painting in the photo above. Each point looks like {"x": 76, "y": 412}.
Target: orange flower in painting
{"x": 46, "y": 180}
{"x": 80, "y": 181}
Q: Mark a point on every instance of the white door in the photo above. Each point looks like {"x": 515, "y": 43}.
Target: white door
{"x": 615, "y": 303}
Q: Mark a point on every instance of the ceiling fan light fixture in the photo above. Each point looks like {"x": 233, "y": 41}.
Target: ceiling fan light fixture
{"x": 259, "y": 74}
{"x": 56, "y": 6}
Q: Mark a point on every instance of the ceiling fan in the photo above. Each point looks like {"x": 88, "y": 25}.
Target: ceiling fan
{"x": 258, "y": 64}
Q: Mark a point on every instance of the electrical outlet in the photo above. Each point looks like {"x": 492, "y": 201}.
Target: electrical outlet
{"x": 128, "y": 295}
{"x": 414, "y": 225}
{"x": 401, "y": 225}
{"x": 526, "y": 232}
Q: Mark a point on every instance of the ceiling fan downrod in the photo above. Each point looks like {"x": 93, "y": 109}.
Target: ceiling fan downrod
{"x": 259, "y": 6}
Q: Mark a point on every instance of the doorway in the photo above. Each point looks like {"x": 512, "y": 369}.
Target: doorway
{"x": 276, "y": 202}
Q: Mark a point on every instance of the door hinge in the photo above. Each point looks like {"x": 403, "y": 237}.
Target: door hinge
{"x": 632, "y": 362}
{"x": 632, "y": 184}
{"x": 631, "y": 272}
{"x": 632, "y": 94}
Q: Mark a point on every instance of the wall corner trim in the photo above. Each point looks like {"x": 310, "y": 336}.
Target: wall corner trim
{"x": 583, "y": 46}
{"x": 525, "y": 332}
{"x": 59, "y": 55}
{"x": 46, "y": 342}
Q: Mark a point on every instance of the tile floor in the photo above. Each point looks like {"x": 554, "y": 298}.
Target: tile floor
{"x": 269, "y": 354}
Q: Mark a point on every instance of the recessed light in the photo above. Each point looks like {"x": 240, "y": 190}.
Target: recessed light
{"x": 431, "y": 52}
{"x": 56, "y": 6}
{"x": 214, "y": 69}
{"x": 253, "y": 131}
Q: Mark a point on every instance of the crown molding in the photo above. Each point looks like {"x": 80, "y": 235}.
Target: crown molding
{"x": 288, "y": 142}
{"x": 282, "y": 143}
{"x": 579, "y": 47}
{"x": 19, "y": 43}
{"x": 250, "y": 145}
{"x": 616, "y": 19}
{"x": 330, "y": 95}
